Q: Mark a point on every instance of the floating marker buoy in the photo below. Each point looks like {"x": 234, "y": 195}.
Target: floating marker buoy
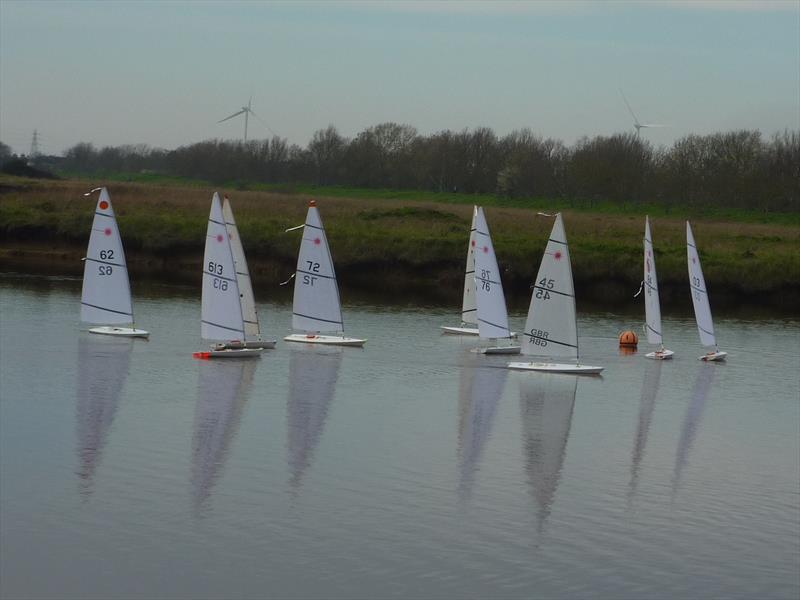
{"x": 628, "y": 339}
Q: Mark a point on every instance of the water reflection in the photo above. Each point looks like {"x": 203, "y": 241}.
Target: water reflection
{"x": 312, "y": 383}
{"x": 546, "y": 405}
{"x": 691, "y": 422}
{"x": 480, "y": 390}
{"x": 223, "y": 387}
{"x": 652, "y": 377}
{"x": 103, "y": 364}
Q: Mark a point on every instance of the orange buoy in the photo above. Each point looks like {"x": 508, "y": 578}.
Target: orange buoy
{"x": 628, "y": 339}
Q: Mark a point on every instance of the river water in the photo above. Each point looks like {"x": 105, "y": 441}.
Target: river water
{"x": 409, "y": 469}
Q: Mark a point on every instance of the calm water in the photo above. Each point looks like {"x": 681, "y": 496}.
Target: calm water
{"x": 411, "y": 468}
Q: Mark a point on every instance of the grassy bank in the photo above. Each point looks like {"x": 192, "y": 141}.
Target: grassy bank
{"x": 402, "y": 243}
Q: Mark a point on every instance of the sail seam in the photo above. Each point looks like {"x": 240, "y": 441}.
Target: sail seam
{"x": 493, "y": 324}
{"x": 316, "y": 318}
{"x": 538, "y": 287}
{"x": 103, "y": 262}
{"x": 317, "y": 274}
{"x": 313, "y": 226}
{"x": 219, "y": 276}
{"x": 222, "y": 326}
{"x": 550, "y": 341}
{"x": 119, "y": 312}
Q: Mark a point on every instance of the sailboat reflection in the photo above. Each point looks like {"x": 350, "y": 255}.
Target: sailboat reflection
{"x": 222, "y": 391}
{"x": 312, "y": 384}
{"x": 479, "y": 392}
{"x": 691, "y": 422}
{"x": 103, "y": 365}
{"x": 652, "y": 377}
{"x": 546, "y": 405}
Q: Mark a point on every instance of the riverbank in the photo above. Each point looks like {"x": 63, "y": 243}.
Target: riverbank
{"x": 397, "y": 246}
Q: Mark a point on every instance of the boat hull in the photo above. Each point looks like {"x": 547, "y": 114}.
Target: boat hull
{"x": 120, "y": 331}
{"x": 713, "y": 356}
{"x": 229, "y": 353}
{"x": 545, "y": 367}
{"x": 459, "y": 330}
{"x": 499, "y": 350}
{"x": 660, "y": 354}
{"x": 262, "y": 344}
{"x": 325, "y": 340}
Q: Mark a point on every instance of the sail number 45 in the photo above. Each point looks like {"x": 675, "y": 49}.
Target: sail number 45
{"x": 544, "y": 285}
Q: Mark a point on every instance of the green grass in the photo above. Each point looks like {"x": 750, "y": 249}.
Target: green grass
{"x": 423, "y": 240}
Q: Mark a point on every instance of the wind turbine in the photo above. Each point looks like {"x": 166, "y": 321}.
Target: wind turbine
{"x": 636, "y": 123}
{"x": 247, "y": 111}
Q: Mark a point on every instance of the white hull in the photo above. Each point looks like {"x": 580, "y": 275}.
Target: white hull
{"x": 499, "y": 350}
{"x": 714, "y": 356}
{"x": 251, "y": 344}
{"x": 240, "y": 353}
{"x": 120, "y": 331}
{"x": 660, "y": 354}
{"x": 555, "y": 368}
{"x": 459, "y": 330}
{"x": 329, "y": 340}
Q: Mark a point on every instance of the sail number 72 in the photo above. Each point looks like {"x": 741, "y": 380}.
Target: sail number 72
{"x": 314, "y": 268}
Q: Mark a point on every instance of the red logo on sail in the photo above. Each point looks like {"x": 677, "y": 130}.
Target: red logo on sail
{"x": 107, "y": 231}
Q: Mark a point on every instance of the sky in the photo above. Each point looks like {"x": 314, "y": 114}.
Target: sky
{"x": 164, "y": 73}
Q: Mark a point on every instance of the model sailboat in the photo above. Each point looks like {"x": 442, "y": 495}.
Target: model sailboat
{"x": 702, "y": 309}
{"x": 469, "y": 316}
{"x": 551, "y": 329}
{"x": 316, "y": 307}
{"x": 489, "y": 297}
{"x": 106, "y": 293}
{"x": 652, "y": 307}
{"x": 252, "y": 328}
{"x": 222, "y": 318}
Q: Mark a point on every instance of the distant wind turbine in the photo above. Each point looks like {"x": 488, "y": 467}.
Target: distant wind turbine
{"x": 246, "y": 111}
{"x": 636, "y": 123}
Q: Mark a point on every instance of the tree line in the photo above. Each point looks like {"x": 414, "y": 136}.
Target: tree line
{"x": 736, "y": 169}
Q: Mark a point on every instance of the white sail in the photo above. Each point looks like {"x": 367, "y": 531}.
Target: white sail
{"x": 702, "y": 309}
{"x": 489, "y": 297}
{"x": 652, "y": 308}
{"x": 468, "y": 303}
{"x": 551, "y": 328}
{"x": 247, "y": 299}
{"x": 106, "y": 294}
{"x": 221, "y": 310}
{"x": 316, "y": 304}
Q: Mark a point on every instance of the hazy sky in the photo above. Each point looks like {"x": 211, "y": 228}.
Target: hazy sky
{"x": 163, "y": 73}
